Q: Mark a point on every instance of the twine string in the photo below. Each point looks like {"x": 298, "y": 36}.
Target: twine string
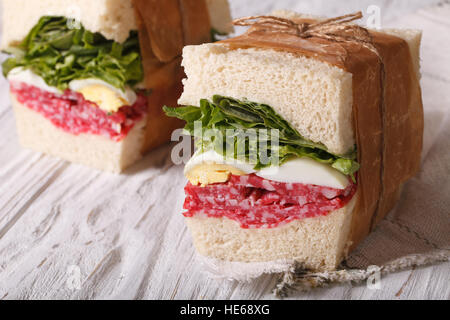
{"x": 336, "y": 29}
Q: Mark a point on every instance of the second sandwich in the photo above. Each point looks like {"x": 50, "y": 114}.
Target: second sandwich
{"x": 88, "y": 78}
{"x": 304, "y": 141}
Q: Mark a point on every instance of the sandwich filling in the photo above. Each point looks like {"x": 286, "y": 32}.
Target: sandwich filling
{"x": 253, "y": 167}
{"x": 255, "y": 202}
{"x": 73, "y": 113}
{"x": 78, "y": 80}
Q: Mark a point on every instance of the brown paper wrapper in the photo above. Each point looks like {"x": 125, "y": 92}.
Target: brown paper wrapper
{"x": 387, "y": 113}
{"x": 165, "y": 27}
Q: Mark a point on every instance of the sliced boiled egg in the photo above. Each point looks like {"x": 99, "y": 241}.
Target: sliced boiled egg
{"x": 210, "y": 167}
{"x": 106, "y": 96}
{"x": 306, "y": 171}
{"x": 27, "y": 76}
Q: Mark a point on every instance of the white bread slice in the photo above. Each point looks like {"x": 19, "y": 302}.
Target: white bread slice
{"x": 314, "y": 96}
{"x": 39, "y": 134}
{"x": 293, "y": 85}
{"x": 112, "y": 18}
{"x": 316, "y": 243}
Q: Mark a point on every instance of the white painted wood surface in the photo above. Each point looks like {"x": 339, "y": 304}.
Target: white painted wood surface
{"x": 124, "y": 235}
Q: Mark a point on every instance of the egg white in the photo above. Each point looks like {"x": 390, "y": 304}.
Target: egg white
{"x": 299, "y": 170}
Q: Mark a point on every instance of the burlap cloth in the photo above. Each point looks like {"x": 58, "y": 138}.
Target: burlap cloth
{"x": 416, "y": 233}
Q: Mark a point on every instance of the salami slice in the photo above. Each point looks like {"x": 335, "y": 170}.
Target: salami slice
{"x": 76, "y": 115}
{"x": 255, "y": 202}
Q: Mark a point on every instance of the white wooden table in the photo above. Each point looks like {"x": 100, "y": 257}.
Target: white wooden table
{"x": 69, "y": 232}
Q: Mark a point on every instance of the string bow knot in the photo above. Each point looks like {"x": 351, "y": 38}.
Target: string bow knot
{"x": 336, "y": 29}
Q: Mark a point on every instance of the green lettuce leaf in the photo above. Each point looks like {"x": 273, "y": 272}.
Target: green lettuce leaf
{"x": 217, "y": 35}
{"x": 60, "y": 54}
{"x": 223, "y": 113}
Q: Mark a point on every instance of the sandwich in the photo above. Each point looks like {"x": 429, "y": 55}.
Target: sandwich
{"x": 88, "y": 79}
{"x": 306, "y": 129}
